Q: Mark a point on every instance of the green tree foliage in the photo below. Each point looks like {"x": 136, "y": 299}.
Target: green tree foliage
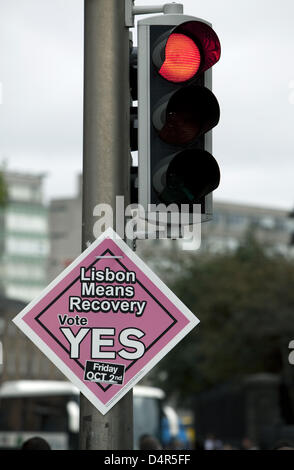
{"x": 245, "y": 302}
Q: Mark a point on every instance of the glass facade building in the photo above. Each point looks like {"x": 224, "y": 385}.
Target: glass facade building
{"x": 24, "y": 237}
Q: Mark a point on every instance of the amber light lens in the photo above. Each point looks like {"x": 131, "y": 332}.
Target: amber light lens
{"x": 190, "y": 112}
{"x": 182, "y": 59}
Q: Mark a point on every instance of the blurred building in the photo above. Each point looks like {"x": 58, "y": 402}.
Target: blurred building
{"x": 231, "y": 221}
{"x": 24, "y": 238}
{"x": 27, "y": 227}
{"x": 65, "y": 228}
{"x": 229, "y": 225}
{"x": 22, "y": 360}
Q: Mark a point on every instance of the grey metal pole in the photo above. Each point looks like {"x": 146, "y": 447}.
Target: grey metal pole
{"x": 106, "y": 170}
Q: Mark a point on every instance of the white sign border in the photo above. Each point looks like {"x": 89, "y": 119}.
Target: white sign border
{"x": 104, "y": 408}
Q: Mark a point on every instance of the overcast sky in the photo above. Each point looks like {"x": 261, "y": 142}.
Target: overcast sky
{"x": 41, "y": 72}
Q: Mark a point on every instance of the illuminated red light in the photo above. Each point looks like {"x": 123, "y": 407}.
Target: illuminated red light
{"x": 182, "y": 59}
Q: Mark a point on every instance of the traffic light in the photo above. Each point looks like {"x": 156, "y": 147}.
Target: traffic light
{"x": 177, "y": 111}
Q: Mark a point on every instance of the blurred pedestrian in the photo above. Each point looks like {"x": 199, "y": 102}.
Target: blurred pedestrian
{"x": 212, "y": 443}
{"x": 228, "y": 446}
{"x": 176, "y": 444}
{"x": 148, "y": 442}
{"x": 248, "y": 444}
{"x": 199, "y": 444}
{"x": 283, "y": 445}
{"x": 35, "y": 443}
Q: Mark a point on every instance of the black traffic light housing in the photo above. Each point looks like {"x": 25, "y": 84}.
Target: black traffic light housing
{"x": 177, "y": 111}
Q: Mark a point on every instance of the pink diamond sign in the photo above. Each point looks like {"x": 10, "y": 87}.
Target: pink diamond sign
{"x": 106, "y": 321}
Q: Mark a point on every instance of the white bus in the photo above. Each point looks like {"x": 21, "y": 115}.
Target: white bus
{"x": 50, "y": 409}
